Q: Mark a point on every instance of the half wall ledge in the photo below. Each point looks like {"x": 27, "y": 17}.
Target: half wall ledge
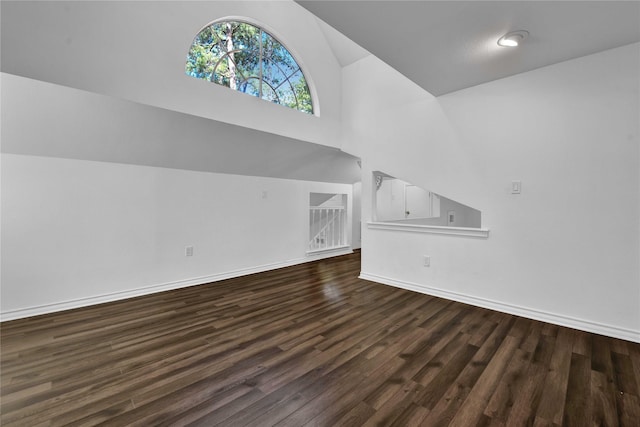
{"x": 481, "y": 233}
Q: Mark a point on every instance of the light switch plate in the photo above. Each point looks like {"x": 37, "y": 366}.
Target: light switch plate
{"x": 516, "y": 187}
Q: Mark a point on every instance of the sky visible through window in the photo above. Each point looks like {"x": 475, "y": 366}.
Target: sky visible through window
{"x": 245, "y": 58}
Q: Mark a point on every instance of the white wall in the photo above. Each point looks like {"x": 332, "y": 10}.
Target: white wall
{"x": 109, "y": 86}
{"x": 45, "y": 119}
{"x": 569, "y": 132}
{"x": 356, "y": 239}
{"x": 137, "y": 51}
{"x": 77, "y": 232}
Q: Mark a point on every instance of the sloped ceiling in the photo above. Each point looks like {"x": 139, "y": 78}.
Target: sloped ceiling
{"x": 45, "y": 119}
{"x": 441, "y": 45}
{"x": 445, "y": 46}
{"x": 345, "y": 50}
{"x": 104, "y": 94}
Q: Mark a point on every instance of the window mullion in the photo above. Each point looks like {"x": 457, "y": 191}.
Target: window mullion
{"x": 288, "y": 78}
{"x": 260, "y": 65}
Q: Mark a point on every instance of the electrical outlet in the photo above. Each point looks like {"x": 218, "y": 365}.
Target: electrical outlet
{"x": 427, "y": 261}
{"x": 451, "y": 218}
{"x": 188, "y": 251}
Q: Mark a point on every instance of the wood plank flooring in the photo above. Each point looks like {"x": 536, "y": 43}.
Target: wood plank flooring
{"x": 310, "y": 345}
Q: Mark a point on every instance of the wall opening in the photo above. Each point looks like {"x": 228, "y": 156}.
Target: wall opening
{"x": 400, "y": 201}
{"x": 327, "y": 222}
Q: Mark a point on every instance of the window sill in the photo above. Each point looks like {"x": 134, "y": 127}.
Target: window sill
{"x": 482, "y": 233}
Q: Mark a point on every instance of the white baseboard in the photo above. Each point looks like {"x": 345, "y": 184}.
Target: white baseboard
{"x": 116, "y": 296}
{"x": 340, "y": 250}
{"x": 556, "y": 319}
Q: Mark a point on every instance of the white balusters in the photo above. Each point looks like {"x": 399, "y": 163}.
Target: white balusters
{"x": 327, "y": 227}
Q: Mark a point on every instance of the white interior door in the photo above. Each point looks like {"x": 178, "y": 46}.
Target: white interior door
{"x": 417, "y": 202}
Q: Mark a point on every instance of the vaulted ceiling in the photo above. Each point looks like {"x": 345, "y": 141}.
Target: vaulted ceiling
{"x": 444, "y": 46}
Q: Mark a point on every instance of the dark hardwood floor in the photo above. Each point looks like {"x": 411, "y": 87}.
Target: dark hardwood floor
{"x": 310, "y": 345}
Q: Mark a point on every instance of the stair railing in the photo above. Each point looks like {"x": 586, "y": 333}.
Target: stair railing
{"x": 329, "y": 223}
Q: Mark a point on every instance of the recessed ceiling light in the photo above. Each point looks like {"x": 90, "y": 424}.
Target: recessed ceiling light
{"x": 513, "y": 38}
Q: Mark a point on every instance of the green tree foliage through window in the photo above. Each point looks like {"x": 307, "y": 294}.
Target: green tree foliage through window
{"x": 244, "y": 57}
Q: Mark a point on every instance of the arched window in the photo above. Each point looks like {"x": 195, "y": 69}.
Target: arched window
{"x": 246, "y": 58}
